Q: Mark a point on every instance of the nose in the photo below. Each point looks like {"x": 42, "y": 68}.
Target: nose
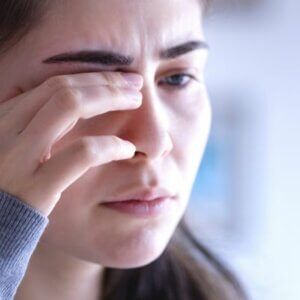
{"x": 147, "y": 127}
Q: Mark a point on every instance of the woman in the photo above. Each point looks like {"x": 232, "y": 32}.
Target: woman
{"x": 102, "y": 102}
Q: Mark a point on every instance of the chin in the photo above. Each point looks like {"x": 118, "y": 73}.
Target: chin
{"x": 133, "y": 259}
{"x": 133, "y": 253}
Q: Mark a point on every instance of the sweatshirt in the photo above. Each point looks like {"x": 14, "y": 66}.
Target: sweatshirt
{"x": 21, "y": 227}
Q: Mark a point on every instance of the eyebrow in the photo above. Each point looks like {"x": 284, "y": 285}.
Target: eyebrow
{"x": 108, "y": 58}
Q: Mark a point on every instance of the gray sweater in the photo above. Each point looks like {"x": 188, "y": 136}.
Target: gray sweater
{"x": 21, "y": 227}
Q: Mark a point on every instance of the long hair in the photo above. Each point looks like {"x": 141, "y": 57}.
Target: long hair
{"x": 186, "y": 270}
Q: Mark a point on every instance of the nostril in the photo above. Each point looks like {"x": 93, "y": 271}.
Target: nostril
{"x": 139, "y": 154}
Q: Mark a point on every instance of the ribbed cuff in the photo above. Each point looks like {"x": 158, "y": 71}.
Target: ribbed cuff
{"x": 21, "y": 227}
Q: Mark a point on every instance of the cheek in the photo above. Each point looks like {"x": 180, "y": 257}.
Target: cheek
{"x": 192, "y": 123}
{"x": 192, "y": 127}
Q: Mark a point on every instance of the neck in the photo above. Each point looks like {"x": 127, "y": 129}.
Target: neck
{"x": 52, "y": 274}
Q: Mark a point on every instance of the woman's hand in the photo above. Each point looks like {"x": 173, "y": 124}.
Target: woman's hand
{"x": 32, "y": 122}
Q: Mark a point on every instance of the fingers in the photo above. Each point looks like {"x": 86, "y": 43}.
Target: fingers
{"x": 34, "y": 120}
{"x": 67, "y": 106}
{"x": 67, "y": 165}
{"x": 16, "y": 113}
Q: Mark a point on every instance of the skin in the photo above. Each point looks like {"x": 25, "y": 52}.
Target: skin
{"x": 169, "y": 130}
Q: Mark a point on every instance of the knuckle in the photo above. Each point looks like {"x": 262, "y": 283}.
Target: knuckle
{"x": 87, "y": 147}
{"x": 68, "y": 99}
{"x": 59, "y": 81}
{"x": 114, "y": 78}
{"x": 113, "y": 91}
{"x": 108, "y": 77}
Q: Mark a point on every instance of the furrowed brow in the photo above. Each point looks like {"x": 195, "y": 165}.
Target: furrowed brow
{"x": 113, "y": 59}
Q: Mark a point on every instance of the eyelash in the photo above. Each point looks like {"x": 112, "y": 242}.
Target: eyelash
{"x": 180, "y": 86}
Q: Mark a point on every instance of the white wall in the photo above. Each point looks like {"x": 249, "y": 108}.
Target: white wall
{"x": 258, "y": 53}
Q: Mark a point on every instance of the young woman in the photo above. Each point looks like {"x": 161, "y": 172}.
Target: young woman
{"x": 104, "y": 117}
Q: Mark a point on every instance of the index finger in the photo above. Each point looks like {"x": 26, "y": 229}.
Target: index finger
{"x": 34, "y": 98}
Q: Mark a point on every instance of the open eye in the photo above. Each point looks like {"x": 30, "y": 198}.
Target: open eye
{"x": 180, "y": 80}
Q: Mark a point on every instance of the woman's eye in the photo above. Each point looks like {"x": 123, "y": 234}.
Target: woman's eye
{"x": 178, "y": 80}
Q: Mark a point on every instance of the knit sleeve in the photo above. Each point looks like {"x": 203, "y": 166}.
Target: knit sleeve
{"x": 21, "y": 227}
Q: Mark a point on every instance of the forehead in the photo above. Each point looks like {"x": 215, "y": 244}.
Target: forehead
{"x": 130, "y": 27}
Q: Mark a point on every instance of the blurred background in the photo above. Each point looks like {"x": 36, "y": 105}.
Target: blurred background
{"x": 246, "y": 202}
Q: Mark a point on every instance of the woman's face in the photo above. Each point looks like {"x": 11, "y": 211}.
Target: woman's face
{"x": 169, "y": 129}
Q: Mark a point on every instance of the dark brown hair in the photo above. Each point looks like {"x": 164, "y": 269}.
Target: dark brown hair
{"x": 186, "y": 270}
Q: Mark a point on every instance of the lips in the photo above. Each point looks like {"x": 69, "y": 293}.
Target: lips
{"x": 144, "y": 194}
{"x": 143, "y": 209}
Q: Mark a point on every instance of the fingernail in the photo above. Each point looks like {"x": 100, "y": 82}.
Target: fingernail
{"x": 133, "y": 79}
{"x": 131, "y": 148}
{"x": 134, "y": 95}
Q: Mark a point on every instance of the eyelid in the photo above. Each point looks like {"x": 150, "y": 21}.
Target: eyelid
{"x": 190, "y": 72}
{"x": 183, "y": 70}
{"x": 176, "y": 88}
